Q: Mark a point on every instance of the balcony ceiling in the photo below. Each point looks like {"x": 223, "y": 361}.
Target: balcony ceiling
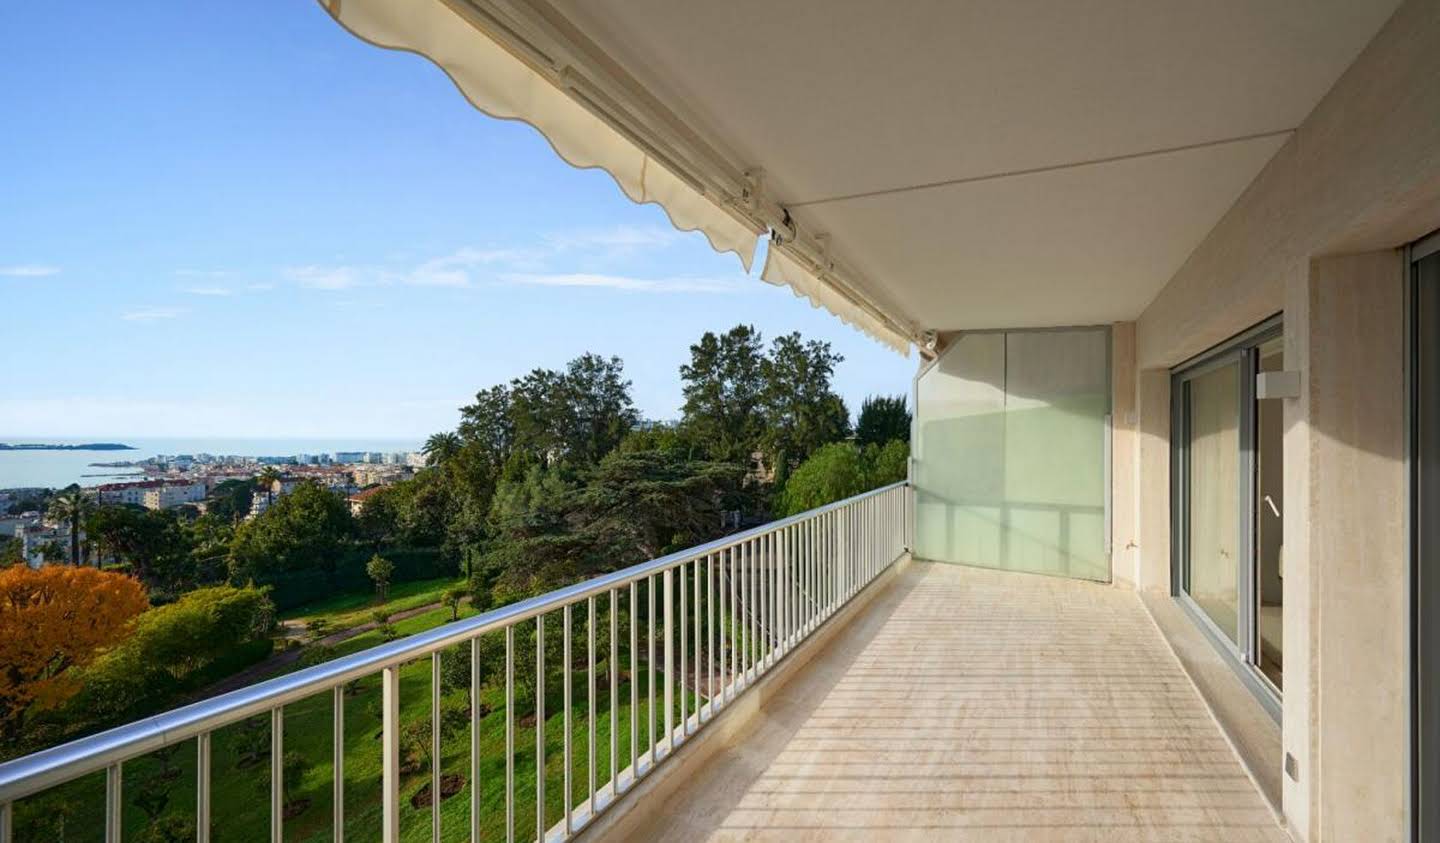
{"x": 994, "y": 163}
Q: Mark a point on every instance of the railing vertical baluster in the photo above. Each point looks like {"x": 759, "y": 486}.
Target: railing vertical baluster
{"x": 699, "y": 648}
{"x": 435, "y": 747}
{"x": 732, "y": 561}
{"x": 590, "y": 701}
{"x": 667, "y": 580}
{"x": 202, "y": 790}
{"x": 684, "y": 650}
{"x": 772, "y": 560}
{"x": 277, "y": 774}
{"x": 7, "y": 823}
{"x": 780, "y": 551}
{"x": 722, "y": 566}
{"x": 114, "y": 785}
{"x": 792, "y": 549}
{"x": 746, "y": 605}
{"x": 710, "y": 627}
{"x": 614, "y": 671}
{"x": 650, "y": 666}
{"x": 634, "y": 684}
{"x": 510, "y": 734}
{"x": 390, "y": 753}
{"x": 810, "y": 556}
{"x": 826, "y": 570}
{"x": 475, "y": 738}
{"x": 337, "y": 763}
{"x": 569, "y": 724}
{"x": 540, "y": 727}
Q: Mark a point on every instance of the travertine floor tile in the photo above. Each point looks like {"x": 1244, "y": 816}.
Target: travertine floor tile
{"x": 980, "y": 706}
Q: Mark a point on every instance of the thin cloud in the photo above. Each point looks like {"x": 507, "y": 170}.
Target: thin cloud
{"x": 620, "y": 238}
{"x": 626, "y": 283}
{"x": 152, "y": 314}
{"x": 28, "y": 270}
{"x": 207, "y": 291}
{"x": 324, "y": 277}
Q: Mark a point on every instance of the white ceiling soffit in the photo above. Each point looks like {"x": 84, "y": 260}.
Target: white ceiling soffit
{"x": 516, "y": 60}
{"x": 992, "y": 163}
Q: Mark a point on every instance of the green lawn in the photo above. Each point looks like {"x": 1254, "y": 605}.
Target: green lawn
{"x": 344, "y": 611}
{"x": 240, "y": 796}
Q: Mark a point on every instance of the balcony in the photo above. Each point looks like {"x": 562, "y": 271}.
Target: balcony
{"x": 807, "y": 677}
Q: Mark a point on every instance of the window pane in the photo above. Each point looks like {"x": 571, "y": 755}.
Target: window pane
{"x": 1214, "y": 495}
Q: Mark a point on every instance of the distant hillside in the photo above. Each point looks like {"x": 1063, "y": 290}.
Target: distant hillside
{"x": 88, "y": 446}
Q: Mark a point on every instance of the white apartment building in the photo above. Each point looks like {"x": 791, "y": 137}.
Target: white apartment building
{"x": 34, "y": 537}
{"x": 366, "y": 475}
{"x": 124, "y": 494}
{"x": 173, "y": 495}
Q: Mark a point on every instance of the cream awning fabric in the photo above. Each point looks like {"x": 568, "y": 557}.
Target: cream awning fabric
{"x": 500, "y": 84}
{"x": 782, "y": 269}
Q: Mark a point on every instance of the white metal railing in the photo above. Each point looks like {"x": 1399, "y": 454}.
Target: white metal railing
{"x": 744, "y": 603}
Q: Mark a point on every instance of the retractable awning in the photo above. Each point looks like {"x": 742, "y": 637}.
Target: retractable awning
{"x": 932, "y": 165}
{"x": 513, "y": 62}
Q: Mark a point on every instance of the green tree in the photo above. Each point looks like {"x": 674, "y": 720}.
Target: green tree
{"x": 153, "y": 542}
{"x": 724, "y": 385}
{"x": 73, "y": 507}
{"x": 451, "y": 600}
{"x": 440, "y": 448}
{"x": 230, "y": 500}
{"x": 266, "y": 480}
{"x": 834, "y": 472}
{"x": 802, "y": 411}
{"x": 307, "y": 529}
{"x": 380, "y": 570}
{"x": 882, "y": 418}
{"x": 886, "y": 464}
{"x": 648, "y": 502}
{"x": 11, "y": 552}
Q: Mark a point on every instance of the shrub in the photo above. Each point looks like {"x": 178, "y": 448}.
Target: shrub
{"x": 168, "y": 645}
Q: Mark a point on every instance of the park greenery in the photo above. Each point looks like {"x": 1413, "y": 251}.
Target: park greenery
{"x": 548, "y": 479}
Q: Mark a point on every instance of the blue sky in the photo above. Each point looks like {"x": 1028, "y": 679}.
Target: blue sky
{"x": 228, "y": 219}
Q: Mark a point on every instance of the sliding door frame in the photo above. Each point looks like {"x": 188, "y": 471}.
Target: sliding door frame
{"x": 1422, "y": 436}
{"x": 1241, "y": 653}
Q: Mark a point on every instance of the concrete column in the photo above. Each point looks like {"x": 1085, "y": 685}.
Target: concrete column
{"x": 1153, "y": 466}
{"x": 1124, "y": 458}
{"x": 1346, "y": 603}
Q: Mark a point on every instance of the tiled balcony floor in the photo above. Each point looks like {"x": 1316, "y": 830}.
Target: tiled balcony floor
{"x": 981, "y": 706}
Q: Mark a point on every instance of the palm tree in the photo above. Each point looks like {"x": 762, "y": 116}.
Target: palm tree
{"x": 73, "y": 506}
{"x": 266, "y": 478}
{"x": 441, "y": 448}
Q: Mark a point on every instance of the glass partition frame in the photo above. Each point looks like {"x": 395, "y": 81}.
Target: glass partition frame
{"x": 1104, "y": 439}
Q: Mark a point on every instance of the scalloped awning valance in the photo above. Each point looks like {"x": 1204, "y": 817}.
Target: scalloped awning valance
{"x": 513, "y": 63}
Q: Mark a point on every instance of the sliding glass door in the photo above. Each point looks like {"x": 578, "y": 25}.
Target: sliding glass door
{"x": 1228, "y": 498}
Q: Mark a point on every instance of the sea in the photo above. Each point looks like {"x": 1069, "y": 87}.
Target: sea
{"x": 58, "y": 469}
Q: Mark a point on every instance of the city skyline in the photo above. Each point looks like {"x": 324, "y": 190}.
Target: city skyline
{"x": 259, "y": 226}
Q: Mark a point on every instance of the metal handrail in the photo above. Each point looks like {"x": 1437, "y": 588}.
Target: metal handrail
{"x": 37, "y": 772}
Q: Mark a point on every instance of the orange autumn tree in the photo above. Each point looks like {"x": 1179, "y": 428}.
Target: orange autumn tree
{"x": 51, "y": 621}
